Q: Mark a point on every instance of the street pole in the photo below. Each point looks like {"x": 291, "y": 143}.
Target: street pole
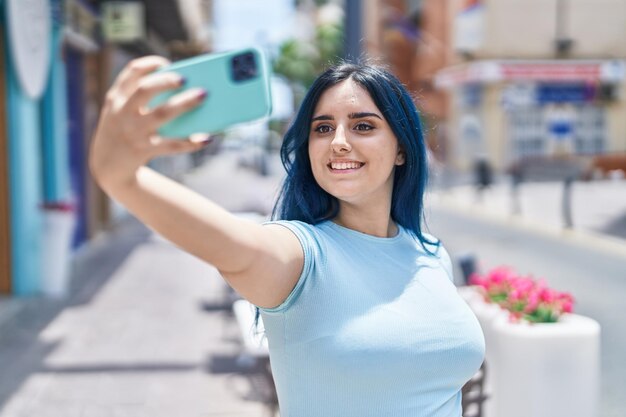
{"x": 516, "y": 180}
{"x": 353, "y": 30}
{"x": 563, "y": 42}
{"x": 567, "y": 202}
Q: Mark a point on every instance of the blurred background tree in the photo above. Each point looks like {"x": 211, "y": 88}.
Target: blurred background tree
{"x": 302, "y": 60}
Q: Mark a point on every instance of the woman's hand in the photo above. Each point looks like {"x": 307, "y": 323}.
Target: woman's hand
{"x": 126, "y": 137}
{"x": 262, "y": 263}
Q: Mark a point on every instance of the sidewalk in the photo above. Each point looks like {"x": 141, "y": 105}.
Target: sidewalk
{"x": 146, "y": 332}
{"x": 598, "y": 209}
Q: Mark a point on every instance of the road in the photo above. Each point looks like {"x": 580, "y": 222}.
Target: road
{"x": 596, "y": 278}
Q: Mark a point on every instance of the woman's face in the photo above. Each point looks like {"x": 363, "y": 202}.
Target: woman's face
{"x": 352, "y": 148}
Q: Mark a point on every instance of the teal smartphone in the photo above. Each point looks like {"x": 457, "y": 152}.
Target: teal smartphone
{"x": 238, "y": 90}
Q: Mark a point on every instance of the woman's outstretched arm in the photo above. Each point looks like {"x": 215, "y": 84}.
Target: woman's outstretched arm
{"x": 261, "y": 262}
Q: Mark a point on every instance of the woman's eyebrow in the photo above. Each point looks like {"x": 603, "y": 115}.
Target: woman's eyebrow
{"x": 322, "y": 117}
{"x": 361, "y": 115}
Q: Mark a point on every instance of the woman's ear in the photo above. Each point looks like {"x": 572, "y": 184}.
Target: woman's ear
{"x": 401, "y": 157}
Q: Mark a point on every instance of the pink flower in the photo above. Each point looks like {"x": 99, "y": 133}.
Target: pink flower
{"x": 516, "y": 294}
{"x": 476, "y": 279}
{"x": 524, "y": 297}
{"x": 568, "y": 307}
{"x": 547, "y": 295}
{"x": 500, "y": 275}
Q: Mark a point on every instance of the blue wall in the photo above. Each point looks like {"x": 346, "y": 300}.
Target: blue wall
{"x": 38, "y": 164}
{"x": 46, "y": 153}
{"x": 76, "y": 131}
{"x": 56, "y": 180}
{"x": 25, "y": 186}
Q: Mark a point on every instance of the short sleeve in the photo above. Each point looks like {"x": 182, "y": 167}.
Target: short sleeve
{"x": 309, "y": 241}
{"x": 446, "y": 262}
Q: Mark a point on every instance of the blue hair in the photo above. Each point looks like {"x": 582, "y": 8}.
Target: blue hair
{"x": 301, "y": 197}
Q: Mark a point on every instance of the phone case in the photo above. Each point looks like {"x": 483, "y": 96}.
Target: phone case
{"x": 229, "y": 100}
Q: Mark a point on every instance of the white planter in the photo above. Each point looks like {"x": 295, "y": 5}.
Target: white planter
{"x": 538, "y": 370}
{"x": 58, "y": 227}
{"x": 545, "y": 369}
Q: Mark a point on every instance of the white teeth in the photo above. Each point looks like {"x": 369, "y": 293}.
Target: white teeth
{"x": 345, "y": 165}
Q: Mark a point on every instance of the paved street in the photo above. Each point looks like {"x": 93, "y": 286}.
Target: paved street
{"x": 147, "y": 331}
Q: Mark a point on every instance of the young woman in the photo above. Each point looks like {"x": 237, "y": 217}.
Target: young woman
{"x": 360, "y": 311}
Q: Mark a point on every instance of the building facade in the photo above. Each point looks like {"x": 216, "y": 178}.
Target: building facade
{"x": 535, "y": 79}
{"x": 412, "y": 38}
{"x": 56, "y": 67}
{"x": 503, "y": 80}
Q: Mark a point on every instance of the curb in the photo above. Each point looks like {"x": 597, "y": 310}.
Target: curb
{"x": 578, "y": 237}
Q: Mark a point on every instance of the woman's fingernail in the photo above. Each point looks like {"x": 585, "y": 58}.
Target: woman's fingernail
{"x": 182, "y": 81}
{"x": 203, "y": 94}
{"x": 200, "y": 138}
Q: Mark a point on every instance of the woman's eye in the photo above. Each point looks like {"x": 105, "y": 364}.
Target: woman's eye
{"x": 323, "y": 129}
{"x": 364, "y": 127}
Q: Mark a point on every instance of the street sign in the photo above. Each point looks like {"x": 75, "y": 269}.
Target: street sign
{"x": 123, "y": 21}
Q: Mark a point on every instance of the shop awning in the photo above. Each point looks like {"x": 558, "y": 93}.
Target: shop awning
{"x": 486, "y": 72}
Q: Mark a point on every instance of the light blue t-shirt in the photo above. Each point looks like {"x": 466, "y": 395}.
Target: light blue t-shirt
{"x": 374, "y": 327}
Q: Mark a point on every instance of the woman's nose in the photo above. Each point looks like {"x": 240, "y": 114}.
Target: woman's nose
{"x": 340, "y": 142}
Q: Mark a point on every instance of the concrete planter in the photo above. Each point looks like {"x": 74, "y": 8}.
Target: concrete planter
{"x": 538, "y": 370}
{"x": 546, "y": 369}
{"x": 58, "y": 226}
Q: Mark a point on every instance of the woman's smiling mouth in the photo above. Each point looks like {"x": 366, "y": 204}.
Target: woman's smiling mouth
{"x": 344, "y": 166}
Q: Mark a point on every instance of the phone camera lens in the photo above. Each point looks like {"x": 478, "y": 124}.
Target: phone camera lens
{"x": 244, "y": 67}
